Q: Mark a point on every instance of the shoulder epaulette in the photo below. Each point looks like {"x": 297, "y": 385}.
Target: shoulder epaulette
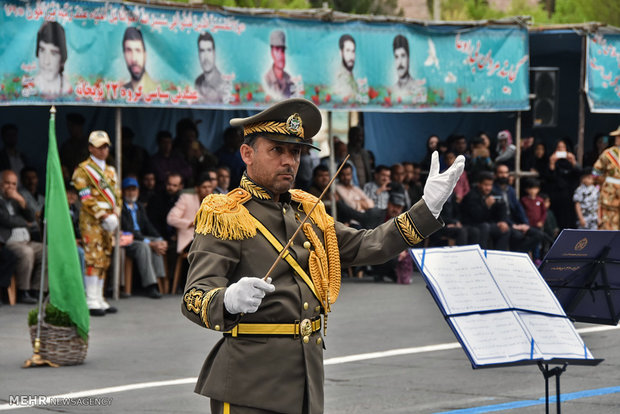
{"x": 225, "y": 217}
{"x": 319, "y": 215}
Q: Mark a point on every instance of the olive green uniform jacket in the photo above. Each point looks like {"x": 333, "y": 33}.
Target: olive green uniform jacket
{"x": 283, "y": 374}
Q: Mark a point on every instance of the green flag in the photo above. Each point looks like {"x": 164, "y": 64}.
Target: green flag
{"x": 65, "y": 274}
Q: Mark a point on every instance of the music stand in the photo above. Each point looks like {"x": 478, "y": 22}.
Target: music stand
{"x": 502, "y": 311}
{"x": 582, "y": 268}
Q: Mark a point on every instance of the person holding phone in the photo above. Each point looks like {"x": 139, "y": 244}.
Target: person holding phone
{"x": 563, "y": 179}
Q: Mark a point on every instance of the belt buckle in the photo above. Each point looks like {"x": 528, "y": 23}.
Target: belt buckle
{"x": 305, "y": 328}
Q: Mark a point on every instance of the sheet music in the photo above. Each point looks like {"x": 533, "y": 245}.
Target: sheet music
{"x": 461, "y": 279}
{"x": 555, "y": 337}
{"x": 493, "y": 338}
{"x": 521, "y": 283}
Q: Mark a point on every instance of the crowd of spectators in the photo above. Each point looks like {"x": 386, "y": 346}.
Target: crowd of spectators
{"x": 162, "y": 193}
{"x": 485, "y": 209}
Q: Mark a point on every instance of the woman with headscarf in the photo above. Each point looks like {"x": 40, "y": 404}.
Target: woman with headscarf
{"x": 505, "y": 149}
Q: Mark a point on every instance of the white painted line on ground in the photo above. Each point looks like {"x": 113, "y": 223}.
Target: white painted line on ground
{"x": 391, "y": 352}
{"x": 51, "y": 400}
{"x": 61, "y": 398}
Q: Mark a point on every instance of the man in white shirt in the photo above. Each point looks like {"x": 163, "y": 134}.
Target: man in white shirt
{"x": 379, "y": 189}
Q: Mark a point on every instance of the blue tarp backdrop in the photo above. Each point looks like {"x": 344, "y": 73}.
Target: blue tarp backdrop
{"x": 114, "y": 54}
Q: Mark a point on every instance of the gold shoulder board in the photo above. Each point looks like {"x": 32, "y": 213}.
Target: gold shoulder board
{"x": 225, "y": 217}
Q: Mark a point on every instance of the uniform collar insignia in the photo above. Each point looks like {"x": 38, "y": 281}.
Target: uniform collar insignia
{"x": 260, "y": 192}
{"x": 256, "y": 190}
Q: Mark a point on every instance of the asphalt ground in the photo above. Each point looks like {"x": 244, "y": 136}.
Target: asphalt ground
{"x": 403, "y": 358}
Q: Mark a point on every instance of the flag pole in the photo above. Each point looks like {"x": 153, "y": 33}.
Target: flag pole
{"x": 36, "y": 358}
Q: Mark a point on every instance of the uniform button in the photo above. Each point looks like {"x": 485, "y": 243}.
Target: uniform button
{"x": 305, "y": 305}
{"x": 306, "y": 339}
{"x": 319, "y": 341}
{"x": 317, "y": 309}
{"x": 283, "y": 211}
{"x": 307, "y": 245}
{"x": 216, "y": 327}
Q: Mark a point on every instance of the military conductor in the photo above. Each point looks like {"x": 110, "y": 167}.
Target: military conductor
{"x": 270, "y": 358}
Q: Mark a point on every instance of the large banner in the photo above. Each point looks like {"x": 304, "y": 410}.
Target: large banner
{"x": 603, "y": 73}
{"x": 117, "y": 54}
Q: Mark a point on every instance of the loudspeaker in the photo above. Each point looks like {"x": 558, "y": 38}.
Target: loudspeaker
{"x": 544, "y": 83}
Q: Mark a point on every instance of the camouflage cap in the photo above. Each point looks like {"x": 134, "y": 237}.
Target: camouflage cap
{"x": 98, "y": 138}
{"x": 615, "y": 133}
{"x": 294, "y": 121}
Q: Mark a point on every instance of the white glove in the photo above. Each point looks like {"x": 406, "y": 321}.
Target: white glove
{"x": 246, "y": 295}
{"x": 438, "y": 187}
{"x": 110, "y": 223}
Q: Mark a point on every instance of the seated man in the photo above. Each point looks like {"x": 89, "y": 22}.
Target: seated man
{"x": 34, "y": 199}
{"x": 15, "y": 218}
{"x": 400, "y": 268}
{"x": 182, "y": 215}
{"x": 348, "y": 192}
{"x": 378, "y": 189}
{"x": 148, "y": 248}
{"x": 523, "y": 238}
{"x": 481, "y": 209}
{"x": 223, "y": 180}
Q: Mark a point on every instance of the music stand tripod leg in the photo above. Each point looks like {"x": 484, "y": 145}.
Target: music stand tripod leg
{"x": 548, "y": 373}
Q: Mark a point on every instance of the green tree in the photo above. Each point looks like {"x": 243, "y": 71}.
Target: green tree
{"x": 266, "y": 4}
{"x": 543, "y": 12}
{"x": 378, "y": 7}
{"x": 580, "y": 11}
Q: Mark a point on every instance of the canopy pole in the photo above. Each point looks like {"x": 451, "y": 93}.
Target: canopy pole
{"x": 118, "y": 121}
{"x": 436, "y": 10}
{"x": 332, "y": 164}
{"x": 582, "y": 103}
{"x": 518, "y": 154}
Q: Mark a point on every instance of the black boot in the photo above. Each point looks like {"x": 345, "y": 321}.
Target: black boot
{"x": 153, "y": 292}
{"x": 24, "y": 297}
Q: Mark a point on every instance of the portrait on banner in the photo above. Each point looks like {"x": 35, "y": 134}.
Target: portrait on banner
{"x": 277, "y": 82}
{"x": 212, "y": 87}
{"x": 406, "y": 90}
{"x": 134, "y": 52}
{"x": 345, "y": 84}
{"x": 51, "y": 51}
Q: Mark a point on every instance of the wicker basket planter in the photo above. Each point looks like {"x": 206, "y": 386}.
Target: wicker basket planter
{"x": 59, "y": 344}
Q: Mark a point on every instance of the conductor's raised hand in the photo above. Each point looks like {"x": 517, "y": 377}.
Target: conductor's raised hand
{"x": 246, "y": 295}
{"x": 438, "y": 186}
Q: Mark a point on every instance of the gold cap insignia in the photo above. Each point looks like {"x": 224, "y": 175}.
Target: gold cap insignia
{"x": 294, "y": 124}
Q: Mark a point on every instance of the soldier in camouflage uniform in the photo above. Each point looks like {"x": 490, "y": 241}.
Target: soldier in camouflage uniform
{"x": 607, "y": 169}
{"x": 270, "y": 358}
{"x": 97, "y": 186}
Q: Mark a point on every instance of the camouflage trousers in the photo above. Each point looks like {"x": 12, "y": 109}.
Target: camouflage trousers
{"x": 610, "y": 218}
{"x": 98, "y": 245}
{"x": 609, "y": 207}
